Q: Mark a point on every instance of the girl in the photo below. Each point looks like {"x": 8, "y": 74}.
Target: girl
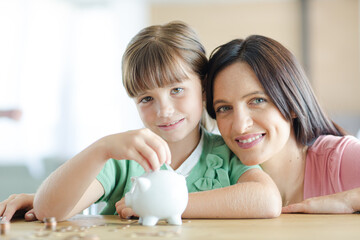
{"x": 267, "y": 114}
{"x": 163, "y": 67}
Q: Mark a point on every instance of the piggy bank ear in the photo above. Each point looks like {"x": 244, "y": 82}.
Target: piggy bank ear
{"x": 143, "y": 184}
{"x": 133, "y": 179}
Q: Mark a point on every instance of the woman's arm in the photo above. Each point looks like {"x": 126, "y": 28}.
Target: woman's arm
{"x": 343, "y": 202}
{"x": 254, "y": 196}
{"x": 346, "y": 163}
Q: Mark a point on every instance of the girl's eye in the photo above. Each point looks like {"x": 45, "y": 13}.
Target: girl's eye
{"x": 177, "y": 90}
{"x": 223, "y": 109}
{"x": 258, "y": 101}
{"x": 146, "y": 99}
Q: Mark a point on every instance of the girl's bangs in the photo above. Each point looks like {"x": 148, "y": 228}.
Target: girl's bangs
{"x": 156, "y": 69}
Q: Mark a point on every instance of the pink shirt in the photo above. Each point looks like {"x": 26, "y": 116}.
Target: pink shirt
{"x": 332, "y": 165}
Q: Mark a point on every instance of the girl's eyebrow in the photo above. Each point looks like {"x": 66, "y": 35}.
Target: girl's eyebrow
{"x": 140, "y": 94}
{"x": 246, "y": 95}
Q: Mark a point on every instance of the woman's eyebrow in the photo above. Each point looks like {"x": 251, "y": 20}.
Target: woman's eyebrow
{"x": 246, "y": 95}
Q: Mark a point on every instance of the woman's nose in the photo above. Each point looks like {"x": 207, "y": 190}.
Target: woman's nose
{"x": 242, "y": 120}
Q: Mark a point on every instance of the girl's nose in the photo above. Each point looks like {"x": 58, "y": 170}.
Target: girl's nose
{"x": 165, "y": 109}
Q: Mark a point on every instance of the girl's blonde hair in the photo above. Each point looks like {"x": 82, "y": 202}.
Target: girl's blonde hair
{"x": 159, "y": 55}
{"x": 152, "y": 57}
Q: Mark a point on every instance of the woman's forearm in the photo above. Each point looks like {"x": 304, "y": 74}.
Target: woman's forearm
{"x": 250, "y": 199}
{"x": 342, "y": 202}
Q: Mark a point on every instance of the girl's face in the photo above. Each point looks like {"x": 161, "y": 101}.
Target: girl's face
{"x": 249, "y": 122}
{"x": 173, "y": 111}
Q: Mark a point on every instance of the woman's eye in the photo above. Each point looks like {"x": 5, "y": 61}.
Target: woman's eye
{"x": 177, "y": 90}
{"x": 258, "y": 100}
{"x": 223, "y": 109}
{"x": 145, "y": 99}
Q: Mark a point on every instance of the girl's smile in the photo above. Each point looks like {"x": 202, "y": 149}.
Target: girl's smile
{"x": 171, "y": 125}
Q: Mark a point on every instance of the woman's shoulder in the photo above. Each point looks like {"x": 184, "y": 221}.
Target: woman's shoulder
{"x": 331, "y": 142}
{"x": 331, "y": 165}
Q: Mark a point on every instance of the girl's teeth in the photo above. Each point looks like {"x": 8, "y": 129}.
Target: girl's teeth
{"x": 172, "y": 123}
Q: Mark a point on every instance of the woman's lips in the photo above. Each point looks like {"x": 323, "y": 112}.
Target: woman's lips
{"x": 249, "y": 140}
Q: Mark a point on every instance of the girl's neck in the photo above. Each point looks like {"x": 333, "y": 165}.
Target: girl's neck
{"x": 287, "y": 169}
{"x": 182, "y": 149}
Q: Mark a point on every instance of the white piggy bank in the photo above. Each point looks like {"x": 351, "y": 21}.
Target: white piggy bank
{"x": 158, "y": 195}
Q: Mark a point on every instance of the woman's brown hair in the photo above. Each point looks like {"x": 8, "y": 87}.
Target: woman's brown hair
{"x": 284, "y": 82}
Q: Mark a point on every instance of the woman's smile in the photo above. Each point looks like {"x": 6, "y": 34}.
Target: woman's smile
{"x": 249, "y": 140}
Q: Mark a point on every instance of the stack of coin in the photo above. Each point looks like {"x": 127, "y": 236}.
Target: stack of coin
{"x": 4, "y": 227}
{"x": 50, "y": 223}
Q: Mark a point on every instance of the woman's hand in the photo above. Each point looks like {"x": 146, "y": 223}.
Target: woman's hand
{"x": 123, "y": 211}
{"x": 343, "y": 202}
{"x": 142, "y": 145}
{"x": 18, "y": 204}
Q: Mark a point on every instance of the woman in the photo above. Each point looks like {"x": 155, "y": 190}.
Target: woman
{"x": 268, "y": 114}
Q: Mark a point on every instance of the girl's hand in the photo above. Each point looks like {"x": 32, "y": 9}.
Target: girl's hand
{"x": 123, "y": 211}
{"x": 343, "y": 202}
{"x": 18, "y": 203}
{"x": 142, "y": 145}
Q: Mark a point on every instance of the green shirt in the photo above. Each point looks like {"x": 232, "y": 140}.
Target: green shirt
{"x": 218, "y": 167}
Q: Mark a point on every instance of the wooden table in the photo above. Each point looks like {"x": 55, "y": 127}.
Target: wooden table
{"x": 287, "y": 226}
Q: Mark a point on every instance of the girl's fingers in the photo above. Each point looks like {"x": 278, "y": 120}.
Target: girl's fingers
{"x": 123, "y": 211}
{"x": 30, "y": 216}
{"x": 20, "y": 202}
{"x": 149, "y": 156}
{"x": 160, "y": 149}
{"x": 5, "y": 202}
{"x": 134, "y": 154}
{"x": 121, "y": 202}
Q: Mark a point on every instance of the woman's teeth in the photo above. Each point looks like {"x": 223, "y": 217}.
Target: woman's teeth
{"x": 250, "y": 139}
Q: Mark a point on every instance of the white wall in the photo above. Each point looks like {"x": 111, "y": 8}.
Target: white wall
{"x": 60, "y": 62}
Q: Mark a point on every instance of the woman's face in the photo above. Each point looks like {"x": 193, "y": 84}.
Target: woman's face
{"x": 251, "y": 125}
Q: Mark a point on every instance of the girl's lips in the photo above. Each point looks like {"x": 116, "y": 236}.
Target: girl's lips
{"x": 172, "y": 125}
{"x": 250, "y": 140}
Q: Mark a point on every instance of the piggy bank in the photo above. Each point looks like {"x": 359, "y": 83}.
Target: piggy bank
{"x": 158, "y": 195}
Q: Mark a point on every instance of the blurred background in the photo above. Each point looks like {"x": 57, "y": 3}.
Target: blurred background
{"x": 60, "y": 67}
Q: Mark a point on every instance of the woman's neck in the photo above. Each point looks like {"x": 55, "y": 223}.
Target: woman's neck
{"x": 287, "y": 169}
{"x": 182, "y": 149}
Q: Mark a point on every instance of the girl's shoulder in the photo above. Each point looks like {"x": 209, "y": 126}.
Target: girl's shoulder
{"x": 213, "y": 138}
{"x": 214, "y": 145}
